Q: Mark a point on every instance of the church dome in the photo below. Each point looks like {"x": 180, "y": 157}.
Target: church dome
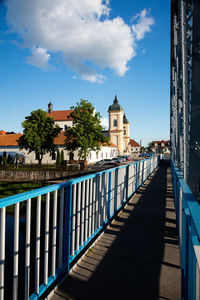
{"x": 125, "y": 120}
{"x": 115, "y": 106}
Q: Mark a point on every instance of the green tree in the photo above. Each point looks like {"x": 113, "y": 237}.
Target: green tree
{"x": 86, "y": 133}
{"x": 39, "y": 133}
{"x": 58, "y": 160}
{"x": 62, "y": 157}
{"x": 4, "y": 158}
{"x": 9, "y": 159}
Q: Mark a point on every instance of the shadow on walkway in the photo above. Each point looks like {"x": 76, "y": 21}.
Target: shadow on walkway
{"x": 137, "y": 257}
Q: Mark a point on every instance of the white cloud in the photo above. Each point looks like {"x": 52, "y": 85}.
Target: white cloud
{"x": 143, "y": 25}
{"x": 39, "y": 57}
{"x": 105, "y": 122}
{"x": 80, "y": 30}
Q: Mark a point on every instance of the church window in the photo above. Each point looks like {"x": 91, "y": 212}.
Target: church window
{"x": 124, "y": 131}
{"x": 115, "y": 123}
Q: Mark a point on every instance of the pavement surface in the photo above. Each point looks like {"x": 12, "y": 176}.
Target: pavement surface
{"x": 137, "y": 257}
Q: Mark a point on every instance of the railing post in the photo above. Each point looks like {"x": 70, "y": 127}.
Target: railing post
{"x": 67, "y": 225}
{"x": 127, "y": 181}
{"x": 109, "y": 194}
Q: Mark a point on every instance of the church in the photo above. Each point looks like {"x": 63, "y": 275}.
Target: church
{"x": 119, "y": 127}
{"x": 118, "y": 134}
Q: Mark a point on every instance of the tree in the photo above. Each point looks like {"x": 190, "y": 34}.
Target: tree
{"x": 86, "y": 133}
{"x": 39, "y": 133}
{"x": 58, "y": 160}
{"x": 62, "y": 157}
{"x": 4, "y": 158}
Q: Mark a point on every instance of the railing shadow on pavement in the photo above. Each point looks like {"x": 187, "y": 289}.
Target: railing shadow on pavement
{"x": 125, "y": 263}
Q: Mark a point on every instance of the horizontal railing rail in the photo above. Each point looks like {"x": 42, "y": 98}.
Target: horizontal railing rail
{"x": 43, "y": 231}
{"x": 188, "y": 223}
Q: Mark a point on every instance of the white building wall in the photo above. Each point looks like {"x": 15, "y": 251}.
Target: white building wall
{"x": 30, "y": 158}
{"x": 62, "y": 124}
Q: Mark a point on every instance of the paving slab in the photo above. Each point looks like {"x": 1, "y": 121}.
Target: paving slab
{"x": 137, "y": 257}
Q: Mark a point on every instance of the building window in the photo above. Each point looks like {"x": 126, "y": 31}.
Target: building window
{"x": 71, "y": 155}
{"x": 106, "y": 155}
{"x": 115, "y": 123}
{"x": 97, "y": 155}
{"x": 124, "y": 131}
{"x": 101, "y": 154}
{"x": 37, "y": 156}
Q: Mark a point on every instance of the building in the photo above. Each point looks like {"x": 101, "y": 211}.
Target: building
{"x": 160, "y": 147}
{"x": 9, "y": 144}
{"x": 119, "y": 127}
{"x": 134, "y": 148}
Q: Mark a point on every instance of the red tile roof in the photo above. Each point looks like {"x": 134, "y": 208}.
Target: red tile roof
{"x": 133, "y": 143}
{"x": 9, "y": 139}
{"x": 60, "y": 140}
{"x": 60, "y": 115}
{"x": 12, "y": 140}
{"x": 2, "y": 132}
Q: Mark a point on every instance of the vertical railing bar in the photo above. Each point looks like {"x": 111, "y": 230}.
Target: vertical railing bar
{"x": 86, "y": 209}
{"x": 54, "y": 231}
{"x": 78, "y": 221}
{"x": 67, "y": 226}
{"x": 93, "y": 205}
{"x": 2, "y": 250}
{"x": 90, "y": 208}
{"x": 46, "y": 239}
{"x": 61, "y": 215}
{"x": 82, "y": 212}
{"x": 16, "y": 253}
{"x": 96, "y": 193}
{"x": 37, "y": 250}
{"x": 27, "y": 249}
{"x": 99, "y": 201}
{"x": 73, "y": 220}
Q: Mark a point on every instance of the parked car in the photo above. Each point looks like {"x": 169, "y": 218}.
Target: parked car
{"x": 121, "y": 158}
{"x": 107, "y": 162}
{"x": 128, "y": 157}
{"x": 116, "y": 159}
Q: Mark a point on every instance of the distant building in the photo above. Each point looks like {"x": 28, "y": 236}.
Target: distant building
{"x": 134, "y": 148}
{"x": 9, "y": 144}
{"x": 119, "y": 127}
{"x": 160, "y": 146}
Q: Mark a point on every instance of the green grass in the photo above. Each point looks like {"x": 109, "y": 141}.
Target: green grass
{"x": 13, "y": 188}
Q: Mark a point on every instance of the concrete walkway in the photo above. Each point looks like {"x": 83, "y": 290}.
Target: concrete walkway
{"x": 137, "y": 257}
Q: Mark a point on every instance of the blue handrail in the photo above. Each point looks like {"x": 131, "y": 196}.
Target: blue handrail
{"x": 188, "y": 223}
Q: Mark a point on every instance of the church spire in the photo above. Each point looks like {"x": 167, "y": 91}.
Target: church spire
{"x": 50, "y": 107}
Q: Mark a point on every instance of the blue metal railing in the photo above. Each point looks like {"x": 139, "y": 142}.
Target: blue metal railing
{"x": 188, "y": 224}
{"x": 64, "y": 219}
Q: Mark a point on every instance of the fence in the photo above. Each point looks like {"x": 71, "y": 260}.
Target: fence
{"x": 44, "y": 230}
{"x": 188, "y": 223}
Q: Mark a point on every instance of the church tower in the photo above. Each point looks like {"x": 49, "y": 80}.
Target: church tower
{"x": 126, "y": 134}
{"x": 116, "y": 124}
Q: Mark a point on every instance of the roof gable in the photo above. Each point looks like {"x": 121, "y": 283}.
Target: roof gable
{"x": 60, "y": 115}
{"x": 10, "y": 139}
{"x": 133, "y": 143}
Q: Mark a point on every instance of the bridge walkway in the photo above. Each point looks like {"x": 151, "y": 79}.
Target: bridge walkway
{"x": 137, "y": 257}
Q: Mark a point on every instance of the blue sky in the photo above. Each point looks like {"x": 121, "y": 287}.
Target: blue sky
{"x": 91, "y": 49}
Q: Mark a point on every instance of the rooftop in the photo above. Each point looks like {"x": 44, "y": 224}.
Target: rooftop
{"x": 115, "y": 106}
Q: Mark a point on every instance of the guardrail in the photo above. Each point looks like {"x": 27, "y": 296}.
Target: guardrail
{"x": 52, "y": 225}
{"x": 188, "y": 223}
